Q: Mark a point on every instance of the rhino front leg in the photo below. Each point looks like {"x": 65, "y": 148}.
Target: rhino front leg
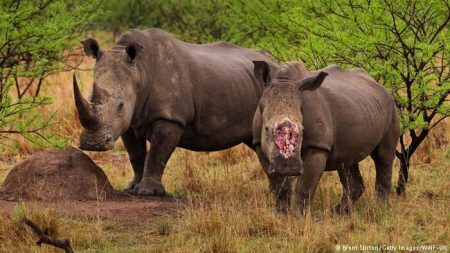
{"x": 280, "y": 186}
{"x": 314, "y": 162}
{"x": 136, "y": 149}
{"x": 164, "y": 138}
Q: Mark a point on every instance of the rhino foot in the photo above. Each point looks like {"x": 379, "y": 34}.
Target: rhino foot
{"x": 149, "y": 187}
{"x": 281, "y": 208}
{"x": 132, "y": 185}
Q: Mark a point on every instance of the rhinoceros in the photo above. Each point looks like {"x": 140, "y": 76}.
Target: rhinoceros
{"x": 151, "y": 86}
{"x": 308, "y": 122}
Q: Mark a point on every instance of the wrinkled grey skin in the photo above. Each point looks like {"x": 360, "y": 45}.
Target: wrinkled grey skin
{"x": 153, "y": 87}
{"x": 343, "y": 116}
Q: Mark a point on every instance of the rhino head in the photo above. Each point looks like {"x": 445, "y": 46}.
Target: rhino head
{"x": 108, "y": 112}
{"x": 278, "y": 120}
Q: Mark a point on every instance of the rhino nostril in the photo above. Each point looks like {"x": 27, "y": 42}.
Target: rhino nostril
{"x": 109, "y": 138}
{"x": 271, "y": 170}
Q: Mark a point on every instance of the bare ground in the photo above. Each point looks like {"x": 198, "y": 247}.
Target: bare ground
{"x": 72, "y": 184}
{"x": 122, "y": 209}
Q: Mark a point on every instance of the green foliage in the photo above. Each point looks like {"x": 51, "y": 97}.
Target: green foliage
{"x": 34, "y": 37}
{"x": 119, "y": 16}
{"x": 198, "y": 21}
{"x": 208, "y": 21}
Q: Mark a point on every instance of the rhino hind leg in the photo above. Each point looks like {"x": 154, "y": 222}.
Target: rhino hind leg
{"x": 353, "y": 187}
{"x": 383, "y": 177}
{"x": 383, "y": 156}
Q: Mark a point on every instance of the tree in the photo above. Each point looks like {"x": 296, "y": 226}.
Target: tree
{"x": 197, "y": 21}
{"x": 404, "y": 44}
{"x": 34, "y": 36}
{"x": 120, "y": 16}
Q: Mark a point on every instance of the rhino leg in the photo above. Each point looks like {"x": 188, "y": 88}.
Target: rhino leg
{"x": 136, "y": 149}
{"x": 314, "y": 162}
{"x": 280, "y": 186}
{"x": 383, "y": 179}
{"x": 353, "y": 187}
{"x": 383, "y": 156}
{"x": 164, "y": 138}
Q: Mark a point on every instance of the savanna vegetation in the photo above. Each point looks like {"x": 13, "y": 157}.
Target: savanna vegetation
{"x": 223, "y": 198}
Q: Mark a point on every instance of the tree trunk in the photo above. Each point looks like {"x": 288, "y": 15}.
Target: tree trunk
{"x": 403, "y": 175}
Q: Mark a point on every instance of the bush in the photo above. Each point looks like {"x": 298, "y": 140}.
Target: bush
{"x": 34, "y": 36}
{"x": 197, "y": 21}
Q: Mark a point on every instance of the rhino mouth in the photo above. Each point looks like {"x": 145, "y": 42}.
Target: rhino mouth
{"x": 286, "y": 138}
{"x": 96, "y": 142}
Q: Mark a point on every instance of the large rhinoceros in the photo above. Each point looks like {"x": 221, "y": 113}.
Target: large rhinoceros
{"x": 310, "y": 122}
{"x": 151, "y": 86}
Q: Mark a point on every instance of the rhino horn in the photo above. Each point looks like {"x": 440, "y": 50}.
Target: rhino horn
{"x": 85, "y": 109}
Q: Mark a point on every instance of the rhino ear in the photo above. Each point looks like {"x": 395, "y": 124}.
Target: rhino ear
{"x": 262, "y": 72}
{"x": 313, "y": 82}
{"x": 91, "y": 48}
{"x": 133, "y": 50}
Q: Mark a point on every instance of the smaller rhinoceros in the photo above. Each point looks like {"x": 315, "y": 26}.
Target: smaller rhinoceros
{"x": 310, "y": 122}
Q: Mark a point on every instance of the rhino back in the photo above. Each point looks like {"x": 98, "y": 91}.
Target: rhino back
{"x": 349, "y": 115}
{"x": 224, "y": 91}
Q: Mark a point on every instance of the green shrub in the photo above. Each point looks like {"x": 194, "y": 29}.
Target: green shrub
{"x": 34, "y": 37}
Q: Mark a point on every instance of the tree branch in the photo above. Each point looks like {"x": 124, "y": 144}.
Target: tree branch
{"x": 46, "y": 239}
{"x": 443, "y": 25}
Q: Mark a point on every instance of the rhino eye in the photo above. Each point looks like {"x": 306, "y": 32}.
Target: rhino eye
{"x": 120, "y": 108}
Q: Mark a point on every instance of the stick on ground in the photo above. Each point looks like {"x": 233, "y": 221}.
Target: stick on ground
{"x": 44, "y": 238}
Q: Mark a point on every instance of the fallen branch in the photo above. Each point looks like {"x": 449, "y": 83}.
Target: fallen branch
{"x": 44, "y": 238}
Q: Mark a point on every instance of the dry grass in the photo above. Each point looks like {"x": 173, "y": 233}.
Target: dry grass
{"x": 230, "y": 209}
{"x": 227, "y": 208}
{"x": 226, "y": 205}
{"x": 16, "y": 237}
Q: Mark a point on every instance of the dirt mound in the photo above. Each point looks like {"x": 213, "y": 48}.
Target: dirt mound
{"x": 54, "y": 174}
